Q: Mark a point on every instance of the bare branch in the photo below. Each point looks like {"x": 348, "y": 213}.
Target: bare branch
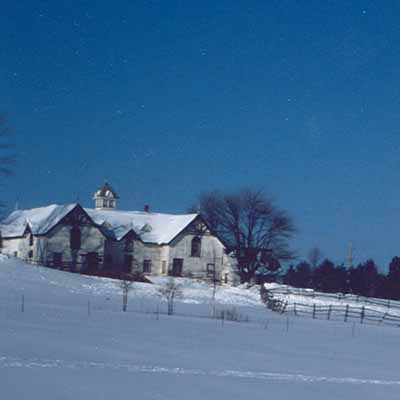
{"x": 250, "y": 223}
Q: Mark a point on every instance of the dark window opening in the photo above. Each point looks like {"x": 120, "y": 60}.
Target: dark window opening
{"x": 147, "y": 266}
{"x": 226, "y": 278}
{"x": 31, "y": 240}
{"x": 211, "y": 270}
{"x": 127, "y": 267}
{"x": 30, "y": 254}
{"x": 75, "y": 238}
{"x": 57, "y": 260}
{"x": 108, "y": 260}
{"x": 196, "y": 247}
{"x": 129, "y": 245}
{"x": 15, "y": 253}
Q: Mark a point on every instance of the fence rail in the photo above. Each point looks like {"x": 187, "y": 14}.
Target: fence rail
{"x": 346, "y": 313}
{"x": 388, "y": 303}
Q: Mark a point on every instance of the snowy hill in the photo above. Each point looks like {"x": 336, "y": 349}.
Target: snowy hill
{"x": 56, "y": 349}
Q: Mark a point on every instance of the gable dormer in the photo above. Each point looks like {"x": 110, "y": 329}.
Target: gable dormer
{"x": 105, "y": 198}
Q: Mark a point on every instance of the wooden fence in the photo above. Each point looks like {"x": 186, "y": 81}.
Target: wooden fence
{"x": 286, "y": 290}
{"x": 346, "y": 313}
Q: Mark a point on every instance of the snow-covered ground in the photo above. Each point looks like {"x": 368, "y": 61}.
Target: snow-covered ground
{"x": 55, "y": 350}
{"x": 305, "y": 298}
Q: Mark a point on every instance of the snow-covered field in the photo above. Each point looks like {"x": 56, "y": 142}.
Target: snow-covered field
{"x": 56, "y": 350}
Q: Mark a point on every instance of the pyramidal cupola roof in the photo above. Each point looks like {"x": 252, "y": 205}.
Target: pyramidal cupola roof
{"x": 106, "y": 190}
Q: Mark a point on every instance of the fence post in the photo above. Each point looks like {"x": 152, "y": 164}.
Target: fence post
{"x": 23, "y": 303}
{"x": 313, "y": 311}
{"x": 295, "y": 310}
{"x": 362, "y": 314}
{"x": 383, "y": 318}
{"x": 346, "y": 314}
{"x": 88, "y": 308}
{"x": 284, "y": 307}
{"x": 329, "y": 311}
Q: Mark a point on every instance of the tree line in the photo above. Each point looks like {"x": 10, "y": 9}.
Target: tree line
{"x": 363, "y": 279}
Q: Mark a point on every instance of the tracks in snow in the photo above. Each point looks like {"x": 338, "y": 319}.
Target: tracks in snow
{"x": 15, "y": 362}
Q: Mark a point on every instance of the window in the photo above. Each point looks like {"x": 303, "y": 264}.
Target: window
{"x": 196, "y": 247}
{"x": 147, "y": 266}
{"x": 225, "y": 278}
{"x": 31, "y": 240}
{"x": 129, "y": 245}
{"x": 15, "y": 253}
{"x": 57, "y": 260}
{"x": 30, "y": 254}
{"x": 75, "y": 238}
{"x": 211, "y": 270}
{"x": 163, "y": 267}
{"x": 108, "y": 261}
{"x": 128, "y": 260}
{"x": 105, "y": 203}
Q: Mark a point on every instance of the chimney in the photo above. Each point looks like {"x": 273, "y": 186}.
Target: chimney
{"x": 146, "y": 208}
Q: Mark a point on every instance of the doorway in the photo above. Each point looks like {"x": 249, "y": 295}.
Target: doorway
{"x": 177, "y": 266}
{"x": 92, "y": 261}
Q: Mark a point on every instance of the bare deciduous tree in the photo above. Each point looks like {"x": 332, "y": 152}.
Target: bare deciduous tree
{"x": 170, "y": 292}
{"x": 215, "y": 281}
{"x": 126, "y": 287}
{"x": 7, "y": 156}
{"x": 252, "y": 226}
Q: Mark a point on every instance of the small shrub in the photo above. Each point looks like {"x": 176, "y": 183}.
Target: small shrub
{"x": 232, "y": 314}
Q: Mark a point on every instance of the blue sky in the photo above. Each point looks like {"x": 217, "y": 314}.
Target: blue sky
{"x": 168, "y": 99}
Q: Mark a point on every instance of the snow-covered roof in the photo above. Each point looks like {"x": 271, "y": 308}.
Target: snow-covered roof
{"x": 106, "y": 191}
{"x": 150, "y": 227}
{"x": 39, "y": 220}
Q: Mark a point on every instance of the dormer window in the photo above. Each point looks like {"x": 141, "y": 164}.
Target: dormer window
{"x": 146, "y": 228}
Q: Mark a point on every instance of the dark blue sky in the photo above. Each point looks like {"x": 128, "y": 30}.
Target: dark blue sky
{"x": 166, "y": 99}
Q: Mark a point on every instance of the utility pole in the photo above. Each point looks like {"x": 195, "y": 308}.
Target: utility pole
{"x": 350, "y": 254}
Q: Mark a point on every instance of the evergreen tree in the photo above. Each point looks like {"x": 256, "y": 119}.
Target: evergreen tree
{"x": 393, "y": 279}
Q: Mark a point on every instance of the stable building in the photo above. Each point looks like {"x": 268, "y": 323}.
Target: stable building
{"x": 104, "y": 238}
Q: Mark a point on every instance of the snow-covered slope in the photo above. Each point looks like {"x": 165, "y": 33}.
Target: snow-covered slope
{"x": 55, "y": 350}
